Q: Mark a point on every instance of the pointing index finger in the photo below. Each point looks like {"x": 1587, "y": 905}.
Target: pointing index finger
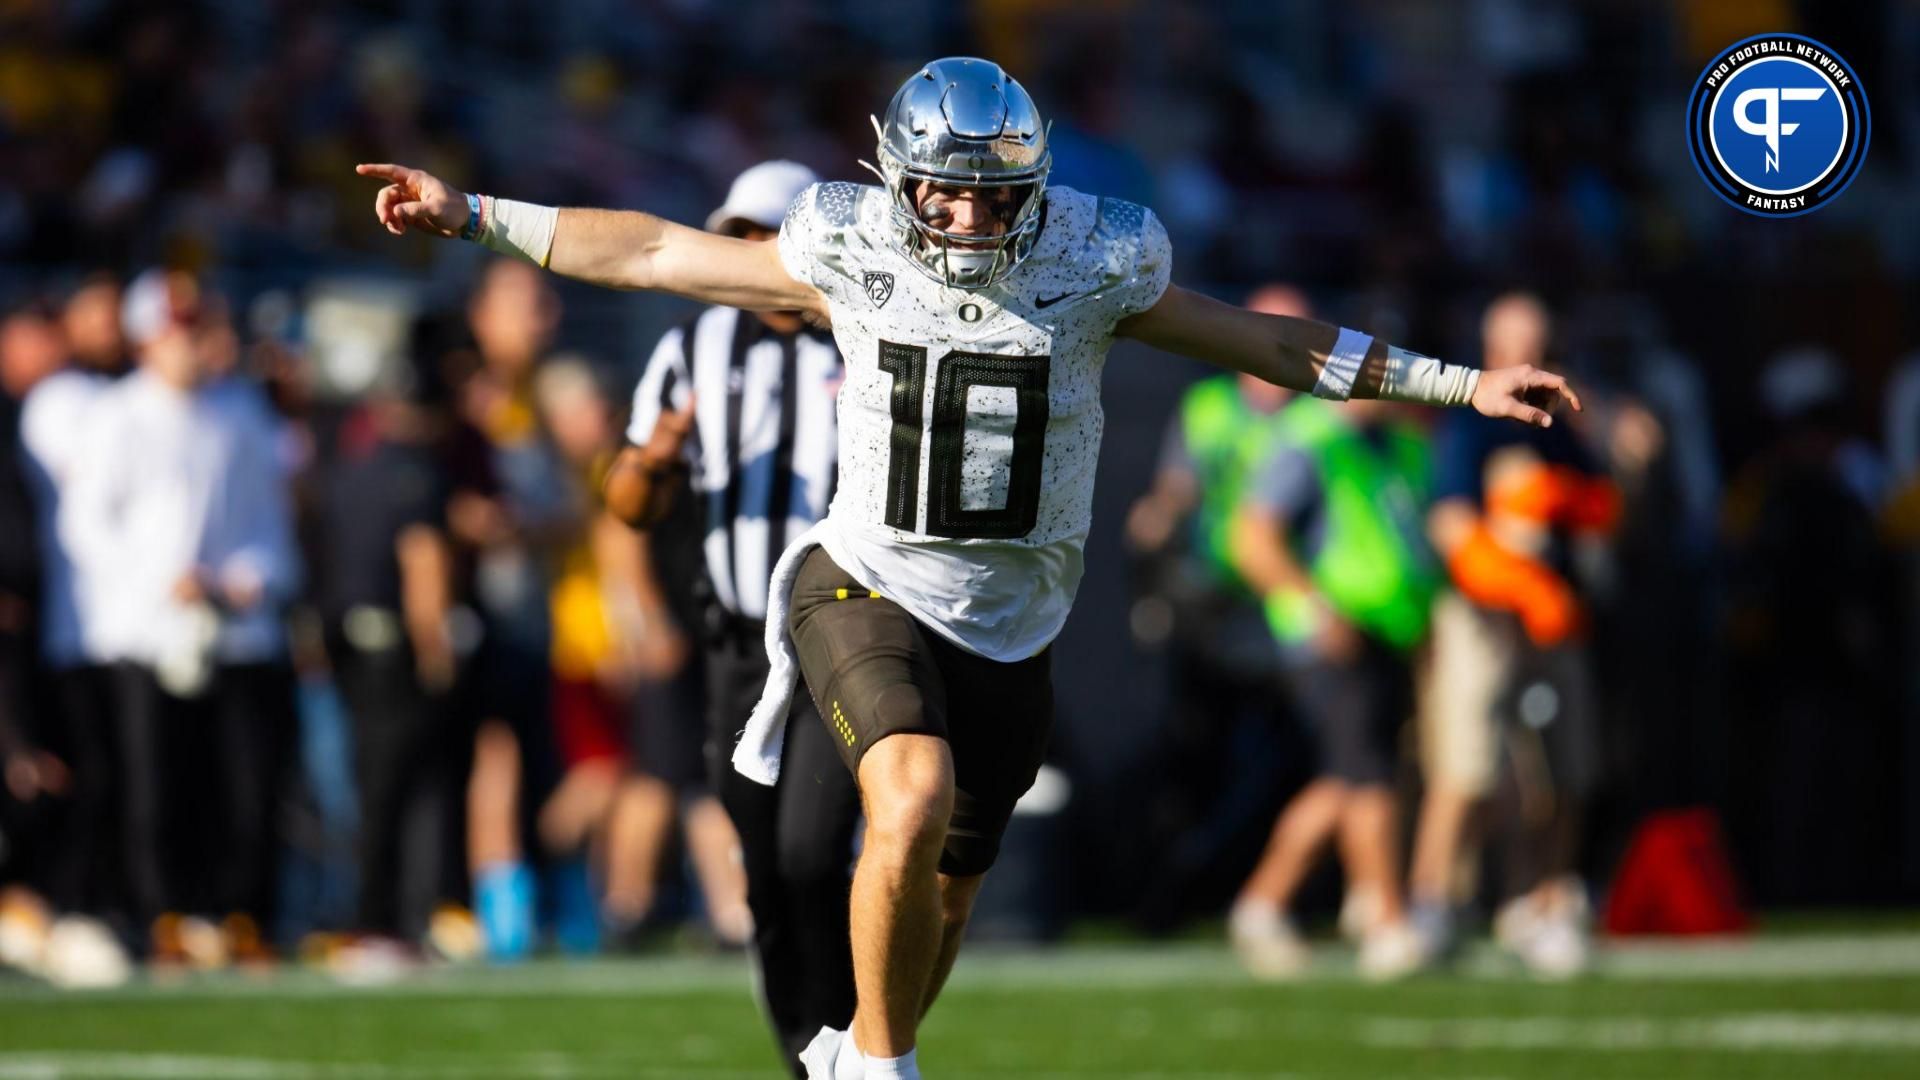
{"x": 384, "y": 171}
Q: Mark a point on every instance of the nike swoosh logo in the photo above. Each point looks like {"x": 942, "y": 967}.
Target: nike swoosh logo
{"x": 1041, "y": 303}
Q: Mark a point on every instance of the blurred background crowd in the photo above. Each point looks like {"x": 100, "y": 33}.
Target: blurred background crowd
{"x": 311, "y": 630}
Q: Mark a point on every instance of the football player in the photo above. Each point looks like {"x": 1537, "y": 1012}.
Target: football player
{"x": 974, "y": 306}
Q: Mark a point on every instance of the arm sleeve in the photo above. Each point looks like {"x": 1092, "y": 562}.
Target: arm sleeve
{"x": 664, "y": 385}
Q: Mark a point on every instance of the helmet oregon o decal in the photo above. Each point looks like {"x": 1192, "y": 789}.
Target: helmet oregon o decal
{"x": 1778, "y": 125}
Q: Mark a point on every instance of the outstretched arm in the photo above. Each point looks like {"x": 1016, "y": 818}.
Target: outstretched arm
{"x": 618, "y": 249}
{"x": 1297, "y": 353}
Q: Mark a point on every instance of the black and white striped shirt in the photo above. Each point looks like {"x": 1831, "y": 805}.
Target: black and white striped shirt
{"x": 763, "y": 447}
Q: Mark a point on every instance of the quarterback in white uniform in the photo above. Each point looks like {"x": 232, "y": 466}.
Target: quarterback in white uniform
{"x": 974, "y": 307}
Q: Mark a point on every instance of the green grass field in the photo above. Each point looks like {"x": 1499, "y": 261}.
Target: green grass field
{"x": 1805, "y": 1007}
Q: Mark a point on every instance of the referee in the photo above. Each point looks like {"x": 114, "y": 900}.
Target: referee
{"x": 739, "y": 406}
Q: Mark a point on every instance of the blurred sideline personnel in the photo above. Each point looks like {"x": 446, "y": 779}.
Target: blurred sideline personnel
{"x": 53, "y": 431}
{"x": 33, "y": 779}
{"x": 966, "y": 298}
{"x": 60, "y": 771}
{"x": 1511, "y": 677}
{"x": 518, "y": 536}
{"x": 179, "y": 525}
{"x": 1813, "y": 614}
{"x": 383, "y": 573}
{"x": 30, "y": 350}
{"x": 618, "y": 648}
{"x": 746, "y": 401}
{"x": 1331, "y": 534}
{"x": 614, "y": 641}
{"x": 1223, "y": 668}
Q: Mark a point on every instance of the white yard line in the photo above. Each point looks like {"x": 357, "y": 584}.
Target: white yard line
{"x": 80, "y": 1065}
{"x": 1677, "y": 959}
{"x": 1766, "y": 958}
{"x": 73, "y": 1065}
{"x": 1743, "y": 1031}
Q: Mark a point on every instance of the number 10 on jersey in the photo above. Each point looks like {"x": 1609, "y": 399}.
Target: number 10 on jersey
{"x": 958, "y": 373}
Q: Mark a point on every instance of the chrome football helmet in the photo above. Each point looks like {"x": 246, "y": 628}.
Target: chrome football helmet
{"x": 965, "y": 123}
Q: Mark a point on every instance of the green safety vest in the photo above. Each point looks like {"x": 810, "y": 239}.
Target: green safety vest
{"x": 1226, "y": 442}
{"x": 1374, "y": 567}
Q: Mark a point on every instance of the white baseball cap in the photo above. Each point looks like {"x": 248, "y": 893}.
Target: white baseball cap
{"x": 760, "y": 196}
{"x": 149, "y": 306}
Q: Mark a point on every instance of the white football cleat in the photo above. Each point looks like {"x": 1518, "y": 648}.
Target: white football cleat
{"x": 1391, "y": 951}
{"x": 82, "y": 954}
{"x": 1547, "y": 928}
{"x": 1359, "y": 914}
{"x": 1558, "y": 952}
{"x": 823, "y": 1052}
{"x": 1266, "y": 941}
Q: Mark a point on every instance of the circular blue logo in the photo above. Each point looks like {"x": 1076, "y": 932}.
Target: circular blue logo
{"x": 1778, "y": 125}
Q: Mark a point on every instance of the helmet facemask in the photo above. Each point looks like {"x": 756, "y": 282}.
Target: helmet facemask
{"x": 962, "y": 123}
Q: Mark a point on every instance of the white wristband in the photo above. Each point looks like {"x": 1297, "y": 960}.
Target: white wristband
{"x": 523, "y": 230}
{"x": 1342, "y": 368}
{"x": 1426, "y": 381}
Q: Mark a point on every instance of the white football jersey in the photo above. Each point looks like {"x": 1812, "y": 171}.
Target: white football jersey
{"x": 970, "y": 420}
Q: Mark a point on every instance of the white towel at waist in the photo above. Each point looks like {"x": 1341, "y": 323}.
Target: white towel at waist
{"x": 757, "y": 755}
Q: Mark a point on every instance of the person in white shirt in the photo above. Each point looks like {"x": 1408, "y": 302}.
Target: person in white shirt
{"x": 177, "y": 521}
{"x": 53, "y": 429}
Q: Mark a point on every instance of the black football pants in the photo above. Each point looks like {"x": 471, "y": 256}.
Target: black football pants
{"x": 797, "y": 839}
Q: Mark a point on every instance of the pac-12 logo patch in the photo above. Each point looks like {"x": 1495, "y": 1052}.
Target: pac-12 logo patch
{"x": 1778, "y": 125}
{"x": 879, "y": 285}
